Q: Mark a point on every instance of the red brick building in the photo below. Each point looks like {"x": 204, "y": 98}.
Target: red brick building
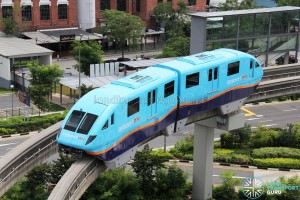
{"x": 142, "y": 8}
{"x": 34, "y": 15}
{"x": 40, "y": 14}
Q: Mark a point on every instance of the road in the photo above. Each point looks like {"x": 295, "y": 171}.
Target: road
{"x": 269, "y": 115}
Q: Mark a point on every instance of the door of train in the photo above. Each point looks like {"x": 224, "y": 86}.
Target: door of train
{"x": 251, "y": 68}
{"x": 213, "y": 80}
{"x": 152, "y": 103}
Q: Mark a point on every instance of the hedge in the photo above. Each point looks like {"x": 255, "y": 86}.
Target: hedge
{"x": 276, "y": 152}
{"x": 233, "y": 158}
{"x": 18, "y": 125}
{"x": 161, "y": 153}
{"x": 288, "y": 163}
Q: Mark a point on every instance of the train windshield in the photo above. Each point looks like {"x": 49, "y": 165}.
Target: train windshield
{"x": 87, "y": 123}
{"x": 74, "y": 120}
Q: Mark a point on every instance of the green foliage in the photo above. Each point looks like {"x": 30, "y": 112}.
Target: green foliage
{"x": 227, "y": 141}
{"x": 288, "y": 136}
{"x": 85, "y": 89}
{"x": 276, "y": 152}
{"x": 10, "y": 26}
{"x": 40, "y": 84}
{"x": 160, "y": 153}
{"x": 288, "y": 163}
{"x": 242, "y": 135}
{"x": 115, "y": 184}
{"x": 290, "y": 194}
{"x": 122, "y": 27}
{"x": 226, "y": 191}
{"x": 17, "y": 124}
{"x": 90, "y": 53}
{"x": 288, "y": 2}
{"x": 144, "y": 166}
{"x": 171, "y": 183}
{"x": 34, "y": 186}
{"x": 176, "y": 45}
{"x": 264, "y": 137}
{"x": 232, "y": 158}
{"x": 237, "y": 5}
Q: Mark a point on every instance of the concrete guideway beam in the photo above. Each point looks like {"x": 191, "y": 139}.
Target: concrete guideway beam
{"x": 30, "y": 153}
{"x": 204, "y": 148}
{"x": 77, "y": 179}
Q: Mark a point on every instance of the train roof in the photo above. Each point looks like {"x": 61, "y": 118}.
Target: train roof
{"x": 188, "y": 63}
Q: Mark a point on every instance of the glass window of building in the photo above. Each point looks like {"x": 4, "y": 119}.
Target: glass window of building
{"x": 62, "y": 11}
{"x": 121, "y": 5}
{"x": 45, "y": 12}
{"x": 192, "y": 2}
{"x": 6, "y": 11}
{"x": 26, "y": 13}
{"x": 104, "y": 4}
{"x": 138, "y": 5}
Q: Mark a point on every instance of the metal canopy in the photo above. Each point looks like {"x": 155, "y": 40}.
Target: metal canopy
{"x": 244, "y": 12}
{"x": 146, "y": 63}
{"x": 72, "y": 81}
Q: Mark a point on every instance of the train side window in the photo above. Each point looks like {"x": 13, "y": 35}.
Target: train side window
{"x": 215, "y": 73}
{"x": 257, "y": 65}
{"x": 149, "y": 99}
{"x": 112, "y": 119}
{"x": 210, "y": 75}
{"x": 233, "y": 68}
{"x": 169, "y": 89}
{"x": 251, "y": 64}
{"x": 87, "y": 123}
{"x": 153, "y": 96}
{"x": 192, "y": 80}
{"x": 105, "y": 126}
{"x": 133, "y": 107}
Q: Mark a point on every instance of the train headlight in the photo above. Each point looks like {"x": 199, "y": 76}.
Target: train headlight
{"x": 90, "y": 139}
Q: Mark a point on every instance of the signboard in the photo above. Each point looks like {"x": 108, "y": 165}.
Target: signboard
{"x": 24, "y": 98}
{"x": 67, "y": 37}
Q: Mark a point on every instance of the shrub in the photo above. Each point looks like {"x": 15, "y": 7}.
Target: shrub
{"x": 160, "y": 152}
{"x": 288, "y": 136}
{"x": 276, "y": 152}
{"x": 233, "y": 158}
{"x": 264, "y": 137}
{"x": 288, "y": 163}
{"x": 227, "y": 141}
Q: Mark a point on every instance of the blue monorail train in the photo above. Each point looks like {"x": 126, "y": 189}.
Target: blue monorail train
{"x": 112, "y": 121}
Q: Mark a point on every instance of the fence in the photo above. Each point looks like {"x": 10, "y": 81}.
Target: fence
{"x": 19, "y": 111}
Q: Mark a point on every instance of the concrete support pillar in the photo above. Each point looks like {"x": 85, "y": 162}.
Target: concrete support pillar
{"x": 203, "y": 162}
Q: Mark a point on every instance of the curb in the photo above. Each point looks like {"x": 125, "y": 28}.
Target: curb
{"x": 19, "y": 134}
{"x": 242, "y": 166}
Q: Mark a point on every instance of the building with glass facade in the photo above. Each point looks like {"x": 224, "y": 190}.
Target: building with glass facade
{"x": 267, "y": 33}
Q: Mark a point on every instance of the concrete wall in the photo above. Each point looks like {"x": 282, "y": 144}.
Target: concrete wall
{"x": 86, "y": 13}
{"x": 198, "y": 35}
{"x": 5, "y": 72}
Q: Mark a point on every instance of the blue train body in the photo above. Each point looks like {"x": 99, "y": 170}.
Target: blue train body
{"x": 113, "y": 119}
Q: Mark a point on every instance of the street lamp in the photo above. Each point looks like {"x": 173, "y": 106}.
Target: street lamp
{"x": 79, "y": 91}
{"x": 12, "y": 99}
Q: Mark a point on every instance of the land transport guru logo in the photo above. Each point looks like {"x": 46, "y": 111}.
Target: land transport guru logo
{"x": 253, "y": 187}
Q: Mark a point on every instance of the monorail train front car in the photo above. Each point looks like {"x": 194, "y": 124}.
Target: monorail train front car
{"x": 112, "y": 121}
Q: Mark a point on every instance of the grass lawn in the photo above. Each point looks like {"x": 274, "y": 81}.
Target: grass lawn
{"x": 4, "y": 91}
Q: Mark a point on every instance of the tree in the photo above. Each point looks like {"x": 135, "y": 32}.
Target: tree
{"x": 122, "y": 28}
{"x": 42, "y": 77}
{"x": 176, "y": 45}
{"x": 241, "y": 135}
{"x": 288, "y": 136}
{"x": 263, "y": 137}
{"x": 144, "y": 166}
{"x": 236, "y": 5}
{"x": 11, "y": 22}
{"x": 226, "y": 191}
{"x": 175, "y": 20}
{"x": 171, "y": 183}
{"x": 60, "y": 166}
{"x": 85, "y": 89}
{"x": 288, "y": 2}
{"x": 90, "y": 53}
{"x": 115, "y": 184}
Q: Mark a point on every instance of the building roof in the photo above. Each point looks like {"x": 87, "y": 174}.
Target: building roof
{"x": 146, "y": 63}
{"x": 53, "y": 35}
{"x": 73, "y": 81}
{"x": 12, "y": 47}
{"x": 244, "y": 12}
